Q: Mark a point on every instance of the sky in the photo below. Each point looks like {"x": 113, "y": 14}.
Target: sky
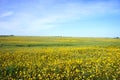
{"x": 75, "y": 18}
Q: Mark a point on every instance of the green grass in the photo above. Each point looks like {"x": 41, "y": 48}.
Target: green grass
{"x": 24, "y": 41}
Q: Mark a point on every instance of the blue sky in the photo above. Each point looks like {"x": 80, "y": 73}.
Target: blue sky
{"x": 81, "y": 18}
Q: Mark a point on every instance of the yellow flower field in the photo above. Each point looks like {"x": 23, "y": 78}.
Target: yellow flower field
{"x": 22, "y": 59}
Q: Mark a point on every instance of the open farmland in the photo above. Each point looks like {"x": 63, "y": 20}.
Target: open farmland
{"x": 59, "y": 58}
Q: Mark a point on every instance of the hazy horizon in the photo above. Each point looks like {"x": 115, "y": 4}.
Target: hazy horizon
{"x": 78, "y": 18}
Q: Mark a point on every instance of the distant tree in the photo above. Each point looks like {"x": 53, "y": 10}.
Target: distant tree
{"x": 116, "y": 37}
{"x": 11, "y": 35}
{"x": 6, "y": 35}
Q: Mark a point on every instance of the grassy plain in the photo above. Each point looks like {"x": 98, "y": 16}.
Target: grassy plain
{"x": 59, "y": 58}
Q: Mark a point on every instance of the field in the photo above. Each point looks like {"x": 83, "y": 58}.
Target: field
{"x": 59, "y": 58}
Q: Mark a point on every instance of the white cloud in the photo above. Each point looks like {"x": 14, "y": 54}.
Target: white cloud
{"x": 6, "y": 14}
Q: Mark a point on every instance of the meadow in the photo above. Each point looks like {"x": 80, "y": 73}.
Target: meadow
{"x": 59, "y": 58}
